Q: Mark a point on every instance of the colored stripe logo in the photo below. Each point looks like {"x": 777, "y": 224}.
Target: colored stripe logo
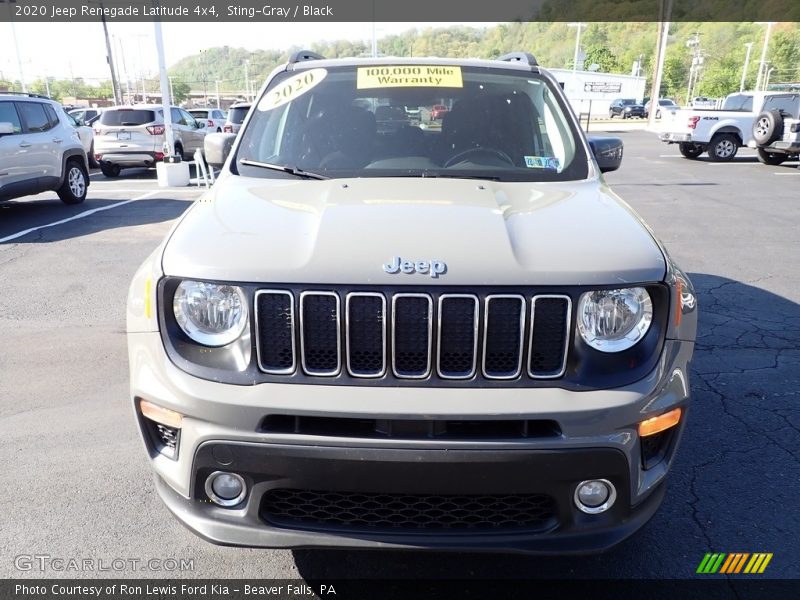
{"x": 738, "y": 562}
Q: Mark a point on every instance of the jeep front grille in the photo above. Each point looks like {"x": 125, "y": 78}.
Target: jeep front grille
{"x": 408, "y": 336}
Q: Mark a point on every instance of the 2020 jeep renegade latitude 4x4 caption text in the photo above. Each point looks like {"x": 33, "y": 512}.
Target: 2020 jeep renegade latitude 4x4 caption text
{"x": 377, "y": 331}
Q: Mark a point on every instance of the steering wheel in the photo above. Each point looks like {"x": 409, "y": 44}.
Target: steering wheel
{"x": 459, "y": 157}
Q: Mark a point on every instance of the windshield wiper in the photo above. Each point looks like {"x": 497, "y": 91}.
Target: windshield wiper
{"x": 285, "y": 168}
{"x": 457, "y": 175}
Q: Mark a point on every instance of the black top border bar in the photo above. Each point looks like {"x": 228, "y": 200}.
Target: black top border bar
{"x": 475, "y": 11}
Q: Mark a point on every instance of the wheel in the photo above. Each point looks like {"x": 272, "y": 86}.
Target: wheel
{"x": 74, "y": 188}
{"x": 624, "y": 116}
{"x": 219, "y": 129}
{"x": 658, "y": 114}
{"x": 767, "y": 127}
{"x": 461, "y": 156}
{"x": 179, "y": 151}
{"x": 723, "y": 147}
{"x": 690, "y": 150}
{"x": 771, "y": 158}
{"x": 110, "y": 169}
{"x": 611, "y": 114}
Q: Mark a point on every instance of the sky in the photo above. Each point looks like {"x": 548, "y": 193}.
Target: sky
{"x": 78, "y": 49}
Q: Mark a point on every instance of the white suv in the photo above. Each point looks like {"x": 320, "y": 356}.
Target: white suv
{"x": 39, "y": 150}
{"x": 133, "y": 136}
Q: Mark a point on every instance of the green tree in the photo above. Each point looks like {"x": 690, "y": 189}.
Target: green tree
{"x": 180, "y": 90}
{"x": 603, "y": 57}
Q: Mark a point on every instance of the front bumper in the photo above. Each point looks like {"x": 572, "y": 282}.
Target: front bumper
{"x": 221, "y": 430}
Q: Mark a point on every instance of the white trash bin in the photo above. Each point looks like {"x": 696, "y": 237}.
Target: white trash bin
{"x": 172, "y": 174}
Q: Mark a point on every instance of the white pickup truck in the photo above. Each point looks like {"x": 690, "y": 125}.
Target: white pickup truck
{"x": 719, "y": 132}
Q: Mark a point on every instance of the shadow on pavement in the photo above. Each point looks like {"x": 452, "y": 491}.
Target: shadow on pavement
{"x": 19, "y": 216}
{"x": 734, "y": 484}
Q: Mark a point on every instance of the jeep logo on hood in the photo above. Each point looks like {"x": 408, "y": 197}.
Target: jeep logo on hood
{"x": 432, "y": 267}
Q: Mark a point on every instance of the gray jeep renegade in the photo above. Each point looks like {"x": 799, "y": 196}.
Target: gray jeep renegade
{"x": 384, "y": 330}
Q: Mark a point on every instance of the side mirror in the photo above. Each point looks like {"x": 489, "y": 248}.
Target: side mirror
{"x": 6, "y": 129}
{"x": 199, "y": 124}
{"x": 217, "y": 146}
{"x": 607, "y": 152}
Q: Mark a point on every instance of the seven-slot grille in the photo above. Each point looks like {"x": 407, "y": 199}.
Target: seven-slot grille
{"x": 412, "y": 335}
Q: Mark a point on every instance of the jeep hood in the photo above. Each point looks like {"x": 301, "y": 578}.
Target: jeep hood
{"x": 342, "y": 231}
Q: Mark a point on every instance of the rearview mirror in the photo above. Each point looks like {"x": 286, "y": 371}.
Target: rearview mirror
{"x": 607, "y": 152}
{"x": 6, "y": 129}
{"x": 217, "y": 146}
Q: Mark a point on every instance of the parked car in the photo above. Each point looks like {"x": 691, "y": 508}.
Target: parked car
{"x": 236, "y": 114}
{"x": 455, "y": 338}
{"x": 703, "y": 102}
{"x": 86, "y": 135}
{"x": 665, "y": 103}
{"x": 40, "y": 150}
{"x": 133, "y": 136}
{"x": 776, "y": 130}
{"x": 625, "y": 108}
{"x": 213, "y": 117}
{"x": 720, "y": 132}
{"x": 438, "y": 111}
{"x": 84, "y": 116}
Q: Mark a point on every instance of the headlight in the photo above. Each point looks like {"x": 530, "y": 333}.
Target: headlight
{"x": 614, "y": 320}
{"x": 209, "y": 313}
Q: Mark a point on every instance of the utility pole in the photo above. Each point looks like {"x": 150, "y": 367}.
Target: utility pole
{"x": 110, "y": 60}
{"x": 697, "y": 61}
{"x": 216, "y": 84}
{"x": 247, "y": 79}
{"x": 16, "y": 48}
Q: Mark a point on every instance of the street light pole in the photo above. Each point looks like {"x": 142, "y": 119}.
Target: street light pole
{"x": 665, "y": 11}
{"x": 749, "y": 46}
{"x": 166, "y": 100}
{"x": 769, "y": 74}
{"x": 762, "y": 62}
{"x": 579, "y": 26}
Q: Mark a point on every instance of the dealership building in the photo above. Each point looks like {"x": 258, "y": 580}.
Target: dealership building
{"x": 591, "y": 93}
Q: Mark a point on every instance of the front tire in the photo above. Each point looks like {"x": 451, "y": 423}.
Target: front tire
{"x": 690, "y": 150}
{"x": 75, "y": 186}
{"x": 723, "y": 147}
{"x": 771, "y": 158}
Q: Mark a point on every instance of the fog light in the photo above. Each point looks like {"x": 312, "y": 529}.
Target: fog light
{"x": 225, "y": 489}
{"x": 595, "y": 496}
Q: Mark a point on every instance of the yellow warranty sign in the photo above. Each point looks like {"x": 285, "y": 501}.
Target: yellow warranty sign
{"x": 409, "y": 76}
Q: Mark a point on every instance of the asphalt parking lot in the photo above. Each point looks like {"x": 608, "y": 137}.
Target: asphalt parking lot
{"x": 80, "y": 485}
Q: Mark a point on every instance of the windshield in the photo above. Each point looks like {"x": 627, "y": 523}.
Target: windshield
{"x": 628, "y": 101}
{"x": 413, "y": 121}
{"x": 199, "y": 114}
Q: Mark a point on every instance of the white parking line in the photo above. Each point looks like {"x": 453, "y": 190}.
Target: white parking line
{"x": 795, "y": 174}
{"x": 87, "y": 213}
